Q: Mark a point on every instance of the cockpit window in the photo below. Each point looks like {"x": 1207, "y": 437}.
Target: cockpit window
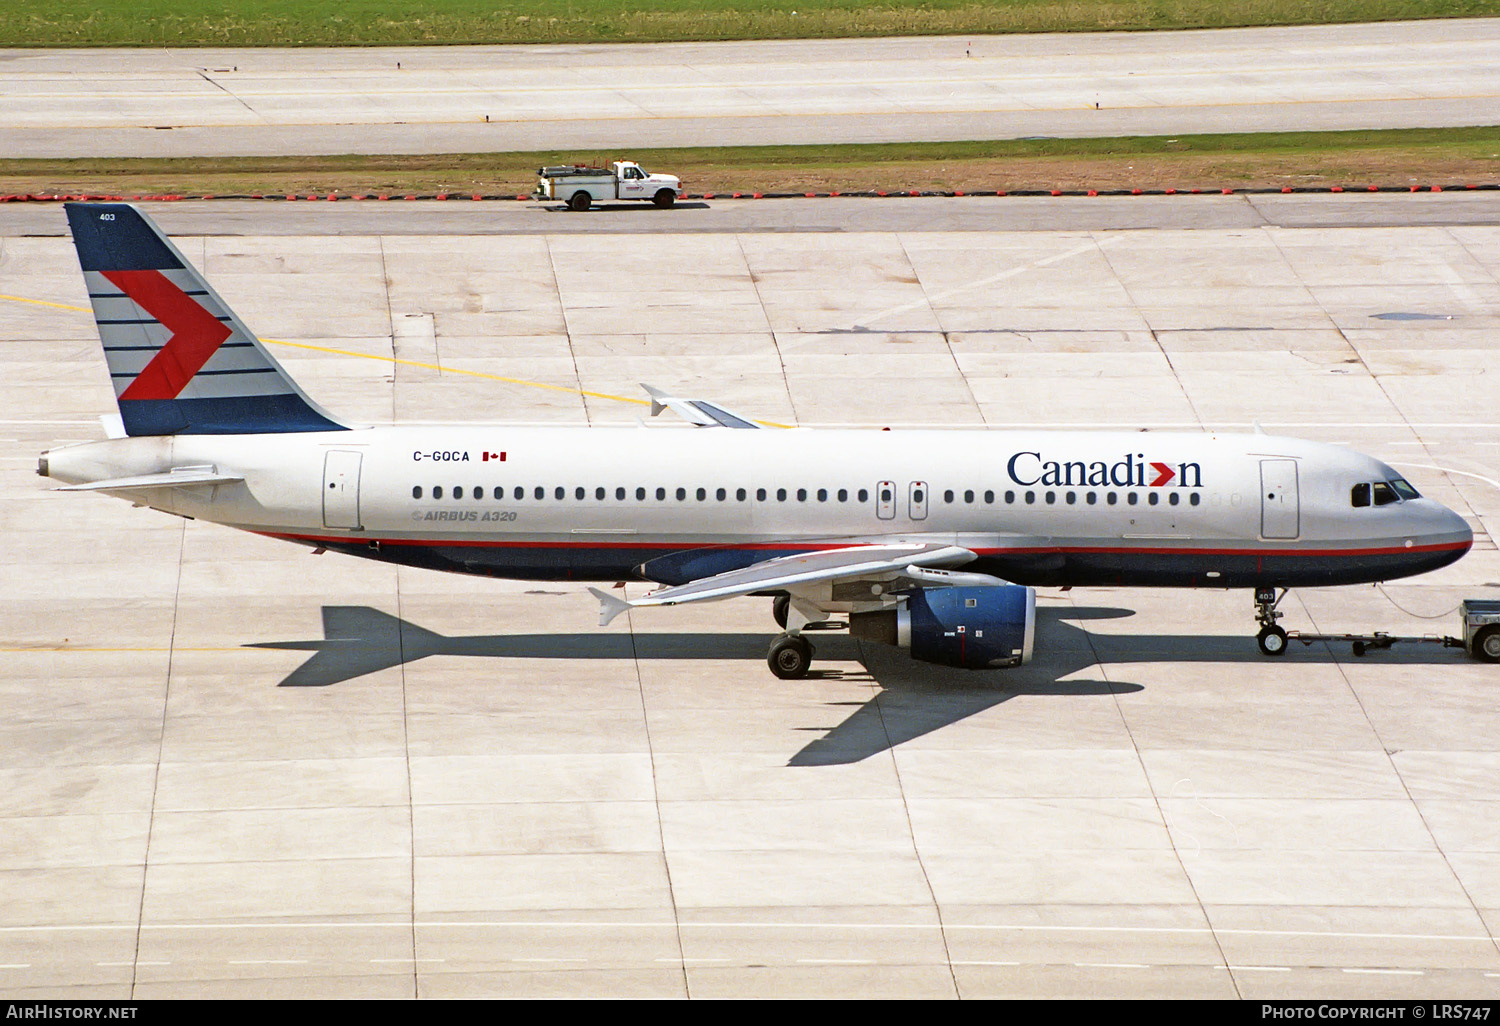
{"x": 1383, "y": 493}
{"x": 1360, "y": 495}
{"x": 1403, "y": 489}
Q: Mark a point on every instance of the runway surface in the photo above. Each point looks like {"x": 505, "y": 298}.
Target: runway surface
{"x": 475, "y": 791}
{"x": 64, "y": 103}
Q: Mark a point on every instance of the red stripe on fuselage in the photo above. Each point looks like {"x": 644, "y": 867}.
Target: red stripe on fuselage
{"x": 196, "y": 334}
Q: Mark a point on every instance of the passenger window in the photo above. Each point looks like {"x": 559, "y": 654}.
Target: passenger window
{"x": 1174, "y": 498}
{"x": 640, "y": 495}
{"x": 1384, "y": 494}
{"x": 1193, "y": 499}
{"x": 479, "y": 493}
{"x": 968, "y": 496}
{"x": 1070, "y": 498}
{"x": 416, "y": 492}
{"x": 822, "y": 494}
{"x": 598, "y": 494}
{"x": 661, "y": 495}
{"x": 1153, "y": 497}
{"x": 801, "y": 494}
{"x": 948, "y": 495}
{"x": 458, "y": 492}
{"x": 739, "y": 495}
{"x": 989, "y": 498}
{"x": 559, "y": 493}
{"x": 1010, "y": 497}
{"x": 843, "y": 495}
{"x": 520, "y": 493}
{"x": 437, "y": 491}
{"x": 1051, "y": 498}
{"x": 1030, "y": 497}
{"x": 1359, "y": 495}
{"x": 1110, "y": 498}
{"x": 781, "y": 495}
{"x": 539, "y": 492}
{"x": 578, "y": 494}
{"x": 1091, "y": 498}
{"x": 1132, "y": 498}
{"x": 864, "y": 495}
{"x": 760, "y": 495}
{"x": 620, "y": 494}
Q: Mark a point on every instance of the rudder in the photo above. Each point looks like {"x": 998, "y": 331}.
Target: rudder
{"x": 180, "y": 360}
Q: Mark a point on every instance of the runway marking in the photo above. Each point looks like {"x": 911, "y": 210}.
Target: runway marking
{"x": 1448, "y": 470}
{"x": 929, "y": 300}
{"x": 1388, "y": 972}
{"x": 1110, "y": 965}
{"x": 1259, "y": 968}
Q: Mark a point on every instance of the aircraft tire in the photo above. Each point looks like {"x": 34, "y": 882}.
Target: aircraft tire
{"x": 780, "y": 606}
{"x": 790, "y": 657}
{"x": 1272, "y": 641}
{"x": 1487, "y": 645}
{"x": 664, "y": 198}
{"x": 580, "y": 200}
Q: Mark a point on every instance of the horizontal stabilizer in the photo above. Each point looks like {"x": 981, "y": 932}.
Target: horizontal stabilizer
{"x": 172, "y": 479}
{"x": 609, "y": 606}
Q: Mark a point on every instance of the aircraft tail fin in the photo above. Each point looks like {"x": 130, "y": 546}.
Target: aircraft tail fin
{"x": 181, "y": 362}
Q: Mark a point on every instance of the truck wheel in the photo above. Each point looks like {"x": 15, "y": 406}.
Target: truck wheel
{"x": 581, "y": 200}
{"x": 664, "y": 198}
{"x": 1487, "y": 645}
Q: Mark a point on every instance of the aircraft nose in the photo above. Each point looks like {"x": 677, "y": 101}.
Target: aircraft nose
{"x": 1444, "y": 527}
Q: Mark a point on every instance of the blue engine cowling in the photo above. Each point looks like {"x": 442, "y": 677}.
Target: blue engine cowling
{"x": 973, "y": 628}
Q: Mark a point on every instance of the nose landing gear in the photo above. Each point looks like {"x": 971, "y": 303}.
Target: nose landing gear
{"x": 1272, "y": 639}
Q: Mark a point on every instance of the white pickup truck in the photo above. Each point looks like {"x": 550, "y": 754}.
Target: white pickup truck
{"x": 579, "y": 186}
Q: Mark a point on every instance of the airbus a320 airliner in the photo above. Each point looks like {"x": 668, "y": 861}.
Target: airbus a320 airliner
{"x": 933, "y": 540}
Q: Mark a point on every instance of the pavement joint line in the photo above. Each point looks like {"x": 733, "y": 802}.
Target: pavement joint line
{"x": 634, "y": 925}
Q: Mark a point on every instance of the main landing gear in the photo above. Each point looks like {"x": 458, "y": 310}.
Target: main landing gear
{"x": 791, "y": 654}
{"x": 1272, "y": 638}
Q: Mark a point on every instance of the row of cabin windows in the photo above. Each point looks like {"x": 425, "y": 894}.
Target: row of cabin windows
{"x": 1070, "y": 498}
{"x": 721, "y": 494}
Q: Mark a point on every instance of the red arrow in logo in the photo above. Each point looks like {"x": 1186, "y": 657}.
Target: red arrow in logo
{"x": 196, "y": 334}
{"x": 1164, "y": 474}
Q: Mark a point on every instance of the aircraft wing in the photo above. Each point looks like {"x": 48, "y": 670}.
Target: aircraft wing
{"x": 698, "y": 412}
{"x": 917, "y": 560}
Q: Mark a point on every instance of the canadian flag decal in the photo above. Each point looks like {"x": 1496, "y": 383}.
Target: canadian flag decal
{"x": 493, "y": 456}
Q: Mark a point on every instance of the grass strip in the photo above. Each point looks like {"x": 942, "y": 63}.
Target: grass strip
{"x": 1265, "y": 159}
{"x": 48, "y": 23}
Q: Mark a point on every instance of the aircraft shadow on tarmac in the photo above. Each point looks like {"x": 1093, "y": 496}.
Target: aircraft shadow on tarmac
{"x": 914, "y": 698}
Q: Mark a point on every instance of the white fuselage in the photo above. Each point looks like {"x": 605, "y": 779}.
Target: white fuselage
{"x": 1040, "y": 507}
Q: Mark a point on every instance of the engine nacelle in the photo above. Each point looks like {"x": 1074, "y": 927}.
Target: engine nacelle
{"x": 973, "y": 628}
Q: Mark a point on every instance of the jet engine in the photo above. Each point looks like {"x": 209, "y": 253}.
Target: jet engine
{"x": 973, "y": 628}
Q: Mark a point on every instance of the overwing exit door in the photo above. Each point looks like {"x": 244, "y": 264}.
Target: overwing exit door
{"x": 341, "y": 489}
